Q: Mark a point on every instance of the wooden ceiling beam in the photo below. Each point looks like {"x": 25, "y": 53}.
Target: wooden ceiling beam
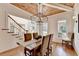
{"x": 59, "y": 6}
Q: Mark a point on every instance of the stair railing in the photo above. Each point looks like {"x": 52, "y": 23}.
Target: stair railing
{"x": 16, "y": 28}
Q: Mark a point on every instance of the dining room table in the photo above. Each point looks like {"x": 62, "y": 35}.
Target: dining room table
{"x": 30, "y": 46}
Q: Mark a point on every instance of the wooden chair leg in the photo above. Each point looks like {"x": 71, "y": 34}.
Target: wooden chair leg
{"x": 25, "y": 51}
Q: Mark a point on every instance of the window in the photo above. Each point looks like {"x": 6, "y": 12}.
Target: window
{"x": 45, "y": 28}
{"x": 32, "y": 25}
{"x": 62, "y": 28}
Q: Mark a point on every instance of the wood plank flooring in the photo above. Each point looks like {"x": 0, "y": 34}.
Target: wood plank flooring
{"x": 63, "y": 50}
{"x": 58, "y": 50}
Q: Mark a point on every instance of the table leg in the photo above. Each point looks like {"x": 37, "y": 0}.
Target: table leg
{"x": 62, "y": 42}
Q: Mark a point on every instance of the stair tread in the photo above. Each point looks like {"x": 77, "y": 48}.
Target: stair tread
{"x": 21, "y": 38}
{"x": 14, "y": 34}
{"x": 18, "y": 36}
{"x": 10, "y": 32}
{"x": 5, "y": 29}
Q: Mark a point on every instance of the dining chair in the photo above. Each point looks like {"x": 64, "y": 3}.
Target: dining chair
{"x": 27, "y": 37}
{"x": 35, "y": 35}
{"x": 50, "y": 45}
{"x": 70, "y": 39}
{"x": 44, "y": 47}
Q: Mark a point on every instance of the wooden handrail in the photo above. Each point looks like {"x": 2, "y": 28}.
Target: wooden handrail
{"x": 17, "y": 23}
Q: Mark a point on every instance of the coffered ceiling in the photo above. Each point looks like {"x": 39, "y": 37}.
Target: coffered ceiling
{"x": 48, "y": 8}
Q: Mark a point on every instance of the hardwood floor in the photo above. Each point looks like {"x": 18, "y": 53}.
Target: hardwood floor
{"x": 14, "y": 52}
{"x": 63, "y": 50}
{"x": 58, "y": 50}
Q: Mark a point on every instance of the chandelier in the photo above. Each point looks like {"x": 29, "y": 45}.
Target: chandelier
{"x": 40, "y": 13}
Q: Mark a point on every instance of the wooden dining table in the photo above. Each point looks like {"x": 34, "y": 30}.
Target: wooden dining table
{"x": 30, "y": 46}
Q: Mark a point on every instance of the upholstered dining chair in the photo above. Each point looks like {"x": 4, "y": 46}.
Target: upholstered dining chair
{"x": 27, "y": 37}
{"x": 50, "y": 45}
{"x": 69, "y": 40}
{"x": 44, "y": 47}
{"x": 35, "y": 35}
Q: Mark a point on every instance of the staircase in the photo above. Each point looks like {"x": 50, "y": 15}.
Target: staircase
{"x": 13, "y": 33}
{"x": 17, "y": 30}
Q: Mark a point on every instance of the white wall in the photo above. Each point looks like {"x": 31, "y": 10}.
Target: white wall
{"x": 6, "y": 40}
{"x": 76, "y": 41}
{"x": 53, "y": 20}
